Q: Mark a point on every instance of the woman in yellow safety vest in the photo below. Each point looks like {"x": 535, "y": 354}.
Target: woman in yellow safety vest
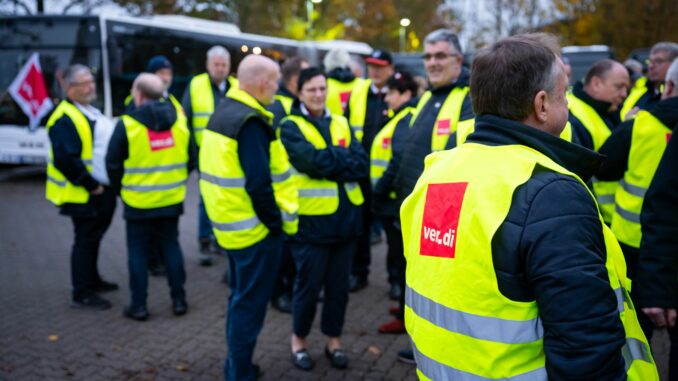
{"x": 384, "y": 163}
{"x": 327, "y": 161}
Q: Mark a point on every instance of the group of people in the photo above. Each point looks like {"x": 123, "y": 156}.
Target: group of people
{"x": 512, "y": 205}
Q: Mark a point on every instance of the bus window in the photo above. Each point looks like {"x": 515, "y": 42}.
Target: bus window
{"x": 60, "y": 43}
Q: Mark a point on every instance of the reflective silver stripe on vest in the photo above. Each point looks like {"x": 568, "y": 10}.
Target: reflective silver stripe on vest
{"x": 351, "y": 186}
{"x": 605, "y": 198}
{"x": 633, "y": 189}
{"x": 280, "y": 177}
{"x": 196, "y": 129}
{"x": 476, "y": 326}
{"x": 619, "y": 293}
{"x": 238, "y": 225}
{"x": 158, "y": 168}
{"x": 441, "y": 372}
{"x": 86, "y": 162}
{"x": 379, "y": 163}
{"x": 202, "y": 114}
{"x": 226, "y": 182}
{"x": 288, "y": 217}
{"x": 627, "y": 215}
{"x": 635, "y": 350}
{"x": 318, "y": 192}
{"x": 153, "y": 188}
{"x": 57, "y": 182}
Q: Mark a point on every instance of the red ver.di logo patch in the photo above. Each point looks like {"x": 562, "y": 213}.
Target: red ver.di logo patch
{"x": 441, "y": 219}
{"x": 443, "y": 127}
{"x": 160, "y": 139}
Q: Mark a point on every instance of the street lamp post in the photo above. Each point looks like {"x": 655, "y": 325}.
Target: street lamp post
{"x": 404, "y": 23}
{"x": 309, "y": 15}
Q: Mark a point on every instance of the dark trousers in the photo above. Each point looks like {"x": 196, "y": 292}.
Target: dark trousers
{"x": 253, "y": 272}
{"x": 362, "y": 258}
{"x": 284, "y": 282}
{"x": 144, "y": 237}
{"x": 85, "y": 252}
{"x": 631, "y": 256}
{"x": 317, "y": 266}
{"x": 204, "y": 224}
{"x": 395, "y": 259}
{"x": 402, "y": 269}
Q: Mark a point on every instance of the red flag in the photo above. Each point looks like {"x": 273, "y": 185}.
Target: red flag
{"x": 30, "y": 93}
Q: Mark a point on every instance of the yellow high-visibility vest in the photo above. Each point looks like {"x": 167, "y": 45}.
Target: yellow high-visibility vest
{"x": 338, "y": 94}
{"x": 155, "y": 171}
{"x": 475, "y": 332}
{"x": 648, "y": 143}
{"x": 58, "y": 189}
{"x": 637, "y": 91}
{"x": 202, "y": 102}
{"x": 319, "y": 197}
{"x": 381, "y": 151}
{"x": 447, "y": 118}
{"x": 222, "y": 180}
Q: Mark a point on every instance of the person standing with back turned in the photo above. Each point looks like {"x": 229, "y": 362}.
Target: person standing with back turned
{"x": 511, "y": 272}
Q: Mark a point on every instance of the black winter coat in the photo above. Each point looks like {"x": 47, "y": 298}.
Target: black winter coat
{"x": 334, "y": 163}
{"x": 550, "y": 249}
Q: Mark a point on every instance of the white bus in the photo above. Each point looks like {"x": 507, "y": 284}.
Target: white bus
{"x": 117, "y": 48}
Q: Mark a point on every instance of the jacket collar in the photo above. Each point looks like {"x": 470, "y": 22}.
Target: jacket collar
{"x": 284, "y": 91}
{"x": 601, "y": 107}
{"x": 461, "y": 81}
{"x": 495, "y": 130}
{"x": 667, "y": 112}
{"x": 245, "y": 98}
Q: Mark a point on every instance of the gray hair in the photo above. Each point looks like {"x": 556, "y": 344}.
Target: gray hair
{"x": 337, "y": 59}
{"x": 444, "y": 35}
{"x": 218, "y": 51}
{"x": 72, "y": 72}
{"x": 672, "y": 73}
{"x": 671, "y": 49}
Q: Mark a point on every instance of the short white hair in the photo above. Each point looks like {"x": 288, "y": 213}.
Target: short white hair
{"x": 337, "y": 58}
{"x": 218, "y": 51}
{"x": 672, "y": 73}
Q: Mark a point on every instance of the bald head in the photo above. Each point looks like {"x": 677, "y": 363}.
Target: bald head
{"x": 147, "y": 87}
{"x": 607, "y": 81}
{"x": 259, "y": 76}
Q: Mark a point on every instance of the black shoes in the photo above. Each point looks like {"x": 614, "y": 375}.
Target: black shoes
{"x": 395, "y": 292}
{"x": 406, "y": 356}
{"x": 92, "y": 302}
{"x": 302, "y": 360}
{"x": 357, "y": 283}
{"x": 206, "y": 252}
{"x": 138, "y": 313}
{"x": 283, "y": 303}
{"x": 103, "y": 286}
{"x": 179, "y": 307}
{"x": 337, "y": 358}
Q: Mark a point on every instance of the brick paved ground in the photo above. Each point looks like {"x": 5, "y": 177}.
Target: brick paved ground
{"x": 41, "y": 338}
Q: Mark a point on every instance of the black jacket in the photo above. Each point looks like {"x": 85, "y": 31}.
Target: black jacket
{"x": 333, "y": 163}
{"x": 277, "y": 107}
{"x": 579, "y": 133}
{"x": 245, "y": 124}
{"x": 618, "y": 146}
{"x": 550, "y": 248}
{"x": 418, "y": 142}
{"x": 156, "y": 116}
{"x": 657, "y": 284}
{"x": 381, "y": 203}
{"x": 66, "y": 148}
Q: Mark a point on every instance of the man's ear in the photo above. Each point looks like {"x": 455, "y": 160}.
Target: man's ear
{"x": 541, "y": 106}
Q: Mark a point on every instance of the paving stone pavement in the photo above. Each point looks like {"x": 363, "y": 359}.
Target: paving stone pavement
{"x": 42, "y": 338}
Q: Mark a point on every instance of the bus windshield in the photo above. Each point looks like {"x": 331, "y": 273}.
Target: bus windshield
{"x": 60, "y": 41}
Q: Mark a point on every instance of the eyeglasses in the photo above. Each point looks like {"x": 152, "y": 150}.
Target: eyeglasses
{"x": 438, "y": 56}
{"x": 88, "y": 82}
{"x": 656, "y": 61}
